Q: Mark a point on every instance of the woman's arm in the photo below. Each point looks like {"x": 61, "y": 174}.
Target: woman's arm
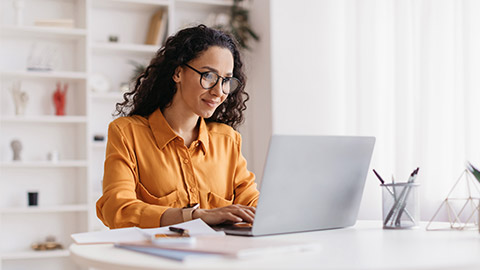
{"x": 231, "y": 213}
{"x": 119, "y": 207}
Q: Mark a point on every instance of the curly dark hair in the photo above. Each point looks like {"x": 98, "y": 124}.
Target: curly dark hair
{"x": 155, "y": 87}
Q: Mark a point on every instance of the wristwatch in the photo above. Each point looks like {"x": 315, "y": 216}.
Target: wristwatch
{"x": 187, "y": 212}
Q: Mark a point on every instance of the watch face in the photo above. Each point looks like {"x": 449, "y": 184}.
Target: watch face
{"x": 99, "y": 83}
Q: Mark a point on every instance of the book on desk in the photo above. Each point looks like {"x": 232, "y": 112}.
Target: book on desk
{"x": 219, "y": 246}
{"x": 207, "y": 243}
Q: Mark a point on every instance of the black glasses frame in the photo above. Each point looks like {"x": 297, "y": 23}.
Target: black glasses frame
{"x": 202, "y": 74}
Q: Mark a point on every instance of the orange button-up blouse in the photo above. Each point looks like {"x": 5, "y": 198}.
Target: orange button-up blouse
{"x": 148, "y": 169}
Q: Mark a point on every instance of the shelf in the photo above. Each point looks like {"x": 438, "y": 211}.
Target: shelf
{"x": 118, "y": 96}
{"x": 125, "y": 48}
{"x": 99, "y": 145}
{"x": 43, "y": 32}
{"x": 45, "y": 209}
{"x": 222, "y": 3}
{"x": 56, "y": 75}
{"x": 131, "y": 4}
{"x": 45, "y": 164}
{"x": 32, "y": 254}
{"x": 44, "y": 119}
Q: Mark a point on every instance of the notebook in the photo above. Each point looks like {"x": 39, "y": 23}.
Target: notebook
{"x": 309, "y": 183}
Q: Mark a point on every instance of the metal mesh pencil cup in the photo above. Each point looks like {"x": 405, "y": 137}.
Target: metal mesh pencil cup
{"x": 401, "y": 206}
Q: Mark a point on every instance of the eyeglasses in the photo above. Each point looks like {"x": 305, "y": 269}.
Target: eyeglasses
{"x": 209, "y": 79}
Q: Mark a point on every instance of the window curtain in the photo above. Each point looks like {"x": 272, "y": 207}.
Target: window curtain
{"x": 412, "y": 79}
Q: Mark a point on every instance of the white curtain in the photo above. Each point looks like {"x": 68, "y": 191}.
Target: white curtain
{"x": 412, "y": 71}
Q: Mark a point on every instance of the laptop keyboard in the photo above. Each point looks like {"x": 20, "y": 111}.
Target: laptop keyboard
{"x": 237, "y": 227}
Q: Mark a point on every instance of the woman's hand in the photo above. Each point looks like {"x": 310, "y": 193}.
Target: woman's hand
{"x": 232, "y": 213}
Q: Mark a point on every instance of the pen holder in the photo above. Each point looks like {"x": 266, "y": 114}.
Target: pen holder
{"x": 400, "y": 206}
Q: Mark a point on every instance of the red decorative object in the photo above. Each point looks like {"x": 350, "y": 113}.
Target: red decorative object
{"x": 59, "y": 98}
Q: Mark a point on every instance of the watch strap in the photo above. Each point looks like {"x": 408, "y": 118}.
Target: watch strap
{"x": 187, "y": 212}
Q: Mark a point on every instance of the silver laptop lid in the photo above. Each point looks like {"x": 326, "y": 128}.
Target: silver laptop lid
{"x": 312, "y": 183}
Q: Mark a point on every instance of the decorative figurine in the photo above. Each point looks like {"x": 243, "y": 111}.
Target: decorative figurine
{"x": 17, "y": 148}
{"x": 19, "y": 5}
{"x": 59, "y": 99}
{"x": 20, "y": 98}
{"x": 43, "y": 57}
{"x": 53, "y": 156}
{"x": 49, "y": 244}
{"x": 466, "y": 192}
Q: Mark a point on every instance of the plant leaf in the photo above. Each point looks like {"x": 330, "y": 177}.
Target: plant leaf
{"x": 474, "y": 171}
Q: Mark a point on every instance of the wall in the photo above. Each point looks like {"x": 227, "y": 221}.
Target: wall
{"x": 258, "y": 125}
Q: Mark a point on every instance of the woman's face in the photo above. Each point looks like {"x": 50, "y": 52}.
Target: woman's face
{"x": 190, "y": 93}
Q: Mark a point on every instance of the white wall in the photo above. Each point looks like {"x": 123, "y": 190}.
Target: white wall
{"x": 258, "y": 125}
{"x": 307, "y": 66}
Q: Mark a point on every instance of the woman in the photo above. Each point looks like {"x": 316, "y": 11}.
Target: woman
{"x": 175, "y": 156}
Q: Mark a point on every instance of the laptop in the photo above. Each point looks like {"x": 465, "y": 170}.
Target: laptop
{"x": 309, "y": 183}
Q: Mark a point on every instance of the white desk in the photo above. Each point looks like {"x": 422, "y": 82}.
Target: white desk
{"x": 364, "y": 246}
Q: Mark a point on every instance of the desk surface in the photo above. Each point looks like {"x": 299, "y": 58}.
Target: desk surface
{"x": 364, "y": 246}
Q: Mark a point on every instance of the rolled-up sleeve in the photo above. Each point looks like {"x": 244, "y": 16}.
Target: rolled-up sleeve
{"x": 246, "y": 192}
{"x": 119, "y": 206}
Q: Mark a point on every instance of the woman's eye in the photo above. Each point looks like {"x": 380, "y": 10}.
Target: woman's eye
{"x": 210, "y": 76}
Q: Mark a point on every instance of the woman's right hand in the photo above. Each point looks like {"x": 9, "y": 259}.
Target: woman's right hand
{"x": 232, "y": 213}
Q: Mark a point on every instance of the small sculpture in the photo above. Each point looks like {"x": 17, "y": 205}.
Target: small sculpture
{"x": 20, "y": 98}
{"x": 53, "y": 156}
{"x": 59, "y": 98}
{"x": 17, "y": 148}
{"x": 19, "y": 5}
{"x": 49, "y": 244}
{"x": 43, "y": 57}
{"x": 466, "y": 216}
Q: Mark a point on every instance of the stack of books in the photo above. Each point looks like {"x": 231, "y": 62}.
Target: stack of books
{"x": 214, "y": 247}
{"x": 206, "y": 243}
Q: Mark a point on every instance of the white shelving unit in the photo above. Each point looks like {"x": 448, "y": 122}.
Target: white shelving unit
{"x": 25, "y": 255}
{"x": 45, "y": 209}
{"x": 69, "y": 188}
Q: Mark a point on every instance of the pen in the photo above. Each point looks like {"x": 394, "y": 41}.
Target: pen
{"x": 379, "y": 177}
{"x": 394, "y": 189}
{"x": 401, "y": 199}
{"x": 403, "y": 202}
{"x": 178, "y": 230}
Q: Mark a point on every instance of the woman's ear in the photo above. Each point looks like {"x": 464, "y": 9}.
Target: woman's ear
{"x": 177, "y": 74}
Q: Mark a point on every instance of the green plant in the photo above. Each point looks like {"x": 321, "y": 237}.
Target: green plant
{"x": 138, "y": 69}
{"x": 239, "y": 25}
{"x": 474, "y": 171}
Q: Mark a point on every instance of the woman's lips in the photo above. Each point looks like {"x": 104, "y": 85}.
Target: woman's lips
{"x": 210, "y": 103}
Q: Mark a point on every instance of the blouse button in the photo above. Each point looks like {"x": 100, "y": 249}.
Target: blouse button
{"x": 185, "y": 161}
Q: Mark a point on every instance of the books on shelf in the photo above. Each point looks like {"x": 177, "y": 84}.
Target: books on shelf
{"x": 66, "y": 23}
{"x": 158, "y": 28}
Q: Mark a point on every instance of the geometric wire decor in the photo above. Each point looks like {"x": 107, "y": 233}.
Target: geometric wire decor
{"x": 466, "y": 215}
